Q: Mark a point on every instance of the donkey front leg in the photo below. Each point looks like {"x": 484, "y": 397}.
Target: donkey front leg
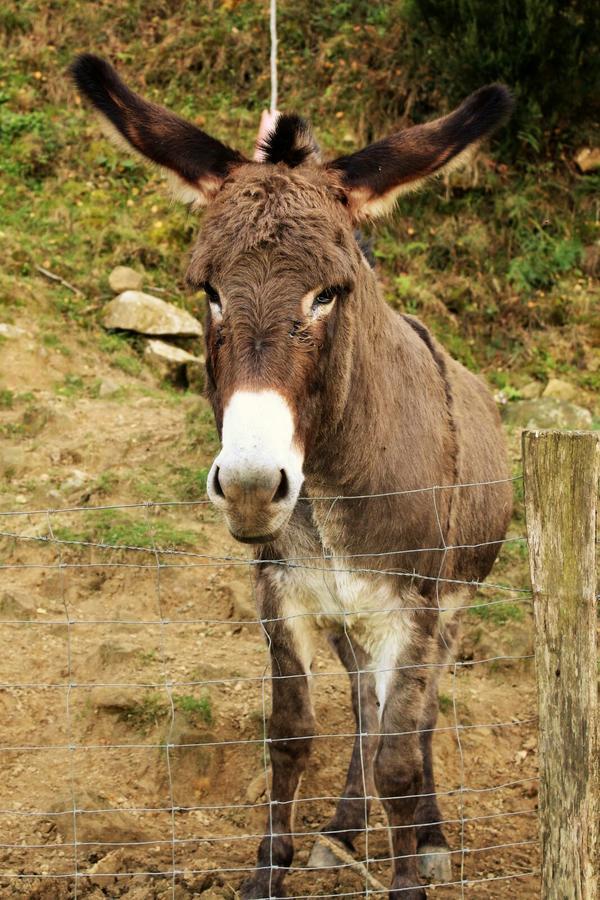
{"x": 291, "y": 728}
{"x": 352, "y": 810}
{"x": 399, "y": 774}
{"x": 435, "y": 861}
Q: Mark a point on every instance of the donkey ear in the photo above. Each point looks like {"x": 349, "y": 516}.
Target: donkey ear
{"x": 195, "y": 162}
{"x": 375, "y": 177}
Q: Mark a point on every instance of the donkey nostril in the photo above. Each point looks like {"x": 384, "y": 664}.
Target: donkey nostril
{"x": 217, "y": 484}
{"x": 282, "y": 491}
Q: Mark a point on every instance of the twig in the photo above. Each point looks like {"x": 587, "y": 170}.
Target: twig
{"x": 343, "y": 856}
{"x": 48, "y": 274}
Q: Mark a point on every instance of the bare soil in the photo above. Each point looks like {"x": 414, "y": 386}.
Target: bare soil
{"x": 96, "y": 643}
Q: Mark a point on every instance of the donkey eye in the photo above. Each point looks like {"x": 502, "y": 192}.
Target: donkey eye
{"x": 325, "y": 297}
{"x": 212, "y": 294}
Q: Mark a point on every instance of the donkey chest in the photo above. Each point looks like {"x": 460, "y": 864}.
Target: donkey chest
{"x": 333, "y": 598}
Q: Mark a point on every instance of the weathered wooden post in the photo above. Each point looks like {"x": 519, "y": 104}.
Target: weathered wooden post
{"x": 561, "y": 482}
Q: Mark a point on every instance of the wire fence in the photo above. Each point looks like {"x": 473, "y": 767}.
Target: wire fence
{"x": 135, "y": 695}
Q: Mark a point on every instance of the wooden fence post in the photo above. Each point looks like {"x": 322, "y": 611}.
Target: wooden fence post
{"x": 561, "y": 482}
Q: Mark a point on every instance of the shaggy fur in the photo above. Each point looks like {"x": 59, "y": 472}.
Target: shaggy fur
{"x": 379, "y": 407}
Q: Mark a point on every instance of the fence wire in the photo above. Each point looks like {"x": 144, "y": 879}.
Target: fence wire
{"x": 133, "y": 783}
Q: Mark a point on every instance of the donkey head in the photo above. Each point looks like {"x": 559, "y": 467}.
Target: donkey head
{"x": 282, "y": 271}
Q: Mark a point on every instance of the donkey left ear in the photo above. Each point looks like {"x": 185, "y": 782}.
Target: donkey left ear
{"x": 374, "y": 178}
{"x": 195, "y": 162}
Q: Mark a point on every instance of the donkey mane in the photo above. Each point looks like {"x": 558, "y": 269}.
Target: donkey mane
{"x": 291, "y": 142}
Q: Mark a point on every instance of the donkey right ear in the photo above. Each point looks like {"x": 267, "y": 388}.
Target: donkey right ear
{"x": 195, "y": 162}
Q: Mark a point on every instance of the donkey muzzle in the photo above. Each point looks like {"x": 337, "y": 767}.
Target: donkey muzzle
{"x": 256, "y": 478}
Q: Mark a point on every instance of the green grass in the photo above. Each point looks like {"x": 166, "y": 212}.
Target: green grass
{"x": 498, "y": 613}
{"x": 71, "y": 386}
{"x": 195, "y": 708}
{"x": 445, "y": 703}
{"x": 153, "y": 708}
{"x": 7, "y": 398}
{"x": 494, "y": 267}
{"x": 113, "y": 527}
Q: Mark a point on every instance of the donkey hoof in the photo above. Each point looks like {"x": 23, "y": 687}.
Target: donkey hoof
{"x": 324, "y": 854}
{"x": 434, "y": 864}
{"x": 256, "y": 889}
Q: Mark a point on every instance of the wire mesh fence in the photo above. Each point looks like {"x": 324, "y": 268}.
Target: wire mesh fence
{"x": 135, "y": 695}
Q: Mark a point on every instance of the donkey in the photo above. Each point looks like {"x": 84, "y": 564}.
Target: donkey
{"x": 366, "y": 465}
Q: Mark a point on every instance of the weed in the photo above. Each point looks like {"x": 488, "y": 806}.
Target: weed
{"x": 51, "y": 340}
{"x": 146, "y": 713}
{"x": 128, "y": 364}
{"x": 194, "y": 707}
{"x": 71, "y": 386}
{"x": 7, "y": 398}
{"x": 445, "y": 703}
{"x": 119, "y": 529}
{"x": 498, "y": 613}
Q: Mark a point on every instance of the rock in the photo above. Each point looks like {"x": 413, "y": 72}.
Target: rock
{"x": 11, "y": 331}
{"x": 258, "y": 787}
{"x": 76, "y": 481}
{"x": 175, "y": 364}
{"x": 123, "y": 278}
{"x": 105, "y": 871}
{"x": 591, "y": 260}
{"x": 588, "y": 159}
{"x": 11, "y": 608}
{"x": 108, "y": 388}
{"x": 114, "y": 825}
{"x": 136, "y": 311}
{"x": 11, "y": 459}
{"x": 531, "y": 391}
{"x": 547, "y": 413}
{"x": 559, "y": 389}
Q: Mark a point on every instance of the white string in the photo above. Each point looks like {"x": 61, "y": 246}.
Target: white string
{"x": 273, "y": 29}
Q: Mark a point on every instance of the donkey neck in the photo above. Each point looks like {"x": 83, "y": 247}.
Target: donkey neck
{"x": 394, "y": 422}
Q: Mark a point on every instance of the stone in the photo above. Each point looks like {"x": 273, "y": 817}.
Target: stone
{"x": 591, "y": 260}
{"x": 123, "y": 278}
{"x": 175, "y": 364}
{"x": 11, "y": 458}
{"x": 108, "y": 825}
{"x": 11, "y": 331}
{"x": 559, "y": 389}
{"x": 588, "y": 159}
{"x": 258, "y": 787}
{"x": 105, "y": 871}
{"x": 76, "y": 480}
{"x": 531, "y": 391}
{"x": 108, "y": 388}
{"x": 145, "y": 314}
{"x": 547, "y": 412}
{"x": 12, "y": 608}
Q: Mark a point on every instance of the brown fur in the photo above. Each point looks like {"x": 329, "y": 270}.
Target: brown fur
{"x": 379, "y": 407}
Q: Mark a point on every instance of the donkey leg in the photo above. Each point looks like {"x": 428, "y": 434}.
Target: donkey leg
{"x": 399, "y": 774}
{"x": 291, "y": 728}
{"x": 352, "y": 811}
{"x": 434, "y": 860}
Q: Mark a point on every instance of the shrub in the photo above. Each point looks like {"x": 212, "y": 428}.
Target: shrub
{"x": 545, "y": 50}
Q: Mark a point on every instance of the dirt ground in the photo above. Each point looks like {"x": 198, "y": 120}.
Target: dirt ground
{"x": 138, "y": 695}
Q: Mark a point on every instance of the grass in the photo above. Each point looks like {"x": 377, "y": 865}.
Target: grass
{"x": 498, "y": 613}
{"x": 153, "y": 708}
{"x": 120, "y": 529}
{"x": 495, "y": 267}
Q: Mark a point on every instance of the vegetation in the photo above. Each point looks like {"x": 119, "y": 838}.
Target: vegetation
{"x": 546, "y": 50}
{"x": 496, "y": 259}
{"x": 115, "y": 528}
{"x": 154, "y": 708}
